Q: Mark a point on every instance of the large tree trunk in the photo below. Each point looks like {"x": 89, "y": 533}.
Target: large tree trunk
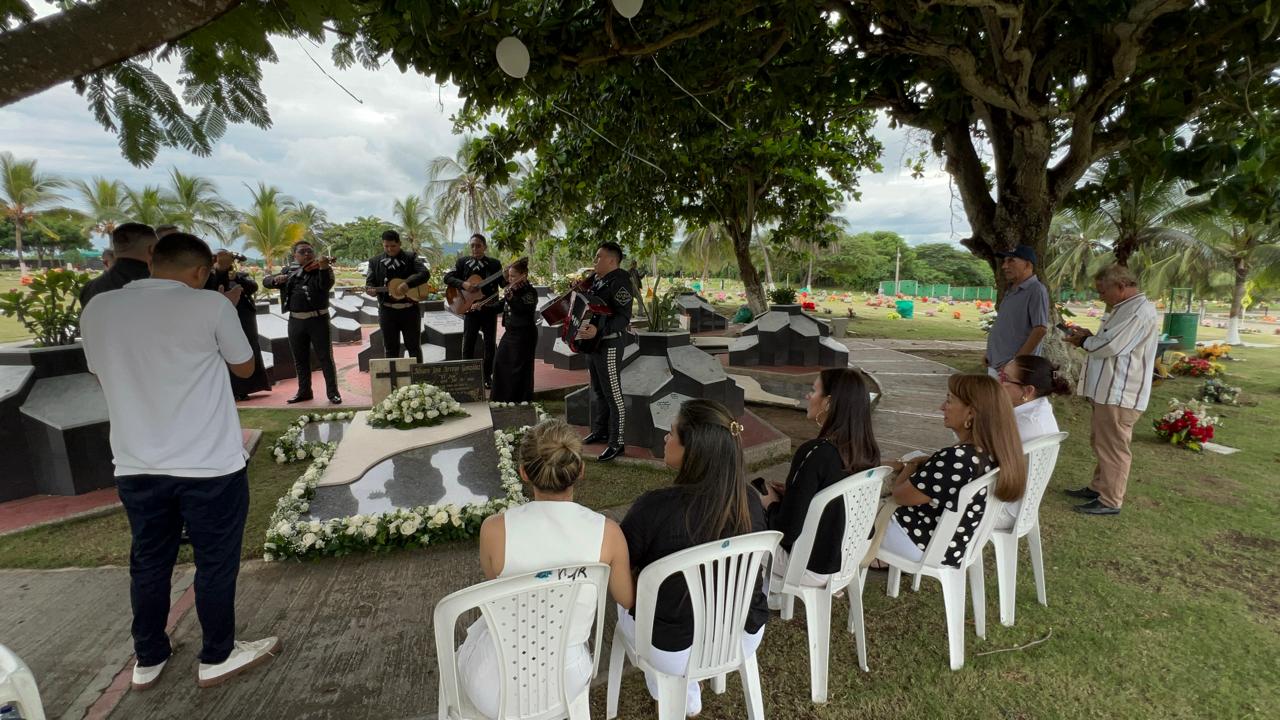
{"x": 54, "y": 49}
{"x": 747, "y": 268}
{"x": 1237, "y": 302}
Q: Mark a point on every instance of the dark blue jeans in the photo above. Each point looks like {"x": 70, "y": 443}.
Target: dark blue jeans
{"x": 214, "y": 510}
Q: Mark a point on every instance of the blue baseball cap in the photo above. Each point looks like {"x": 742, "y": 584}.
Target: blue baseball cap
{"x": 1023, "y": 252}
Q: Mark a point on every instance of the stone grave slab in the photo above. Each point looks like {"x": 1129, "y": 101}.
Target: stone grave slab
{"x": 463, "y": 379}
{"x": 66, "y": 428}
{"x": 832, "y": 352}
{"x": 664, "y": 410}
{"x": 443, "y": 328}
{"x": 331, "y": 431}
{"x": 509, "y": 418}
{"x": 462, "y": 470}
{"x": 547, "y": 336}
{"x": 364, "y": 446}
{"x": 18, "y": 479}
{"x": 262, "y": 307}
{"x": 386, "y": 375}
{"x": 344, "y": 330}
{"x": 273, "y": 337}
{"x": 565, "y": 359}
{"x": 368, "y": 311}
{"x": 346, "y": 307}
{"x": 787, "y": 336}
{"x": 700, "y": 315}
{"x": 431, "y": 306}
{"x": 373, "y": 350}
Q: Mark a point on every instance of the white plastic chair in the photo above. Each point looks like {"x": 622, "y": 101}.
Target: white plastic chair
{"x": 528, "y": 617}
{"x": 1042, "y": 456}
{"x": 18, "y": 686}
{"x": 721, "y": 577}
{"x": 860, "y": 494}
{"x": 951, "y": 578}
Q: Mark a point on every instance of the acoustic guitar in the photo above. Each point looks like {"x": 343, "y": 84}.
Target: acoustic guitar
{"x": 461, "y": 302}
{"x": 398, "y": 289}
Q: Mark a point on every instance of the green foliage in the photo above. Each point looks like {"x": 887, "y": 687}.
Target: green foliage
{"x": 662, "y": 310}
{"x": 50, "y": 306}
{"x": 782, "y": 296}
{"x": 358, "y": 240}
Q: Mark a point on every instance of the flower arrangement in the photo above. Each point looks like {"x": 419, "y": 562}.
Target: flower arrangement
{"x": 782, "y": 296}
{"x": 1196, "y": 367}
{"x": 1216, "y": 351}
{"x": 955, "y": 314}
{"x": 289, "y": 536}
{"x": 290, "y": 447}
{"x": 1215, "y": 391}
{"x": 893, "y": 315}
{"x": 413, "y": 406}
{"x": 987, "y": 321}
{"x": 1187, "y": 425}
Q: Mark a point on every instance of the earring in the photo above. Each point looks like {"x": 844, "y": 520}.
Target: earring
{"x": 968, "y": 424}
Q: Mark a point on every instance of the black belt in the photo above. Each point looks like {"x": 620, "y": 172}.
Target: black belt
{"x": 611, "y": 336}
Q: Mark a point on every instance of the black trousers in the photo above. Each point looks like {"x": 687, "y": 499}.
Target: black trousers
{"x": 608, "y": 408}
{"x": 474, "y": 323}
{"x": 395, "y": 323}
{"x": 305, "y": 336}
{"x": 513, "y": 366}
{"x": 214, "y": 510}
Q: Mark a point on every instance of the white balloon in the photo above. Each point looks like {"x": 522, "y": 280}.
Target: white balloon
{"x": 513, "y": 57}
{"x": 628, "y": 8}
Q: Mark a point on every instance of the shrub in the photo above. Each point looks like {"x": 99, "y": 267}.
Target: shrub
{"x": 782, "y": 296}
{"x": 49, "y": 308}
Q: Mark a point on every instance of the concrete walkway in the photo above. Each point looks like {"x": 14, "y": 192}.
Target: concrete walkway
{"x": 357, "y": 631}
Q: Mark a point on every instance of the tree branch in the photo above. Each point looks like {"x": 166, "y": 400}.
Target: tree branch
{"x": 965, "y": 166}
{"x": 52, "y": 50}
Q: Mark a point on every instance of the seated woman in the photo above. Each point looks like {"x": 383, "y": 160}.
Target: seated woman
{"x": 549, "y": 531}
{"x": 709, "y": 500}
{"x": 980, "y": 415}
{"x": 1029, "y": 380}
{"x": 841, "y": 406}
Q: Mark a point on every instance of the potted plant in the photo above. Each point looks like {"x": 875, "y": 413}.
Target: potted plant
{"x": 49, "y": 308}
{"x": 783, "y": 299}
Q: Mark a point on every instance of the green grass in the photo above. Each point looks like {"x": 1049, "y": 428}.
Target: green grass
{"x": 10, "y": 328}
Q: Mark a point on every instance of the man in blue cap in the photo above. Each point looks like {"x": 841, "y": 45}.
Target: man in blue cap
{"x": 1023, "y": 316}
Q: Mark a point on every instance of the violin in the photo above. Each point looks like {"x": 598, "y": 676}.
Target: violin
{"x": 315, "y": 264}
{"x": 513, "y": 288}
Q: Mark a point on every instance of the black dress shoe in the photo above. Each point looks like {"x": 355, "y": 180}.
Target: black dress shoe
{"x": 300, "y": 397}
{"x": 241, "y": 398}
{"x": 613, "y": 452}
{"x": 595, "y": 439}
{"x": 335, "y": 399}
{"x": 1096, "y": 507}
{"x": 1084, "y": 493}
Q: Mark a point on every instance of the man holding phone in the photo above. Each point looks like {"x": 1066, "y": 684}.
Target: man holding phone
{"x": 1023, "y": 317}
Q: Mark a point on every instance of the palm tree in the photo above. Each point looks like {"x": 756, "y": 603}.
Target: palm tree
{"x": 146, "y": 206}
{"x": 424, "y": 231}
{"x": 709, "y": 246}
{"x": 1078, "y": 246}
{"x": 460, "y": 192}
{"x": 23, "y": 191}
{"x": 104, "y": 201}
{"x": 193, "y": 204}
{"x": 268, "y": 227}
{"x": 311, "y": 217}
{"x": 1219, "y": 242}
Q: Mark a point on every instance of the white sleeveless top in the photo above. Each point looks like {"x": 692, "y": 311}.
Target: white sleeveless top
{"x": 544, "y": 534}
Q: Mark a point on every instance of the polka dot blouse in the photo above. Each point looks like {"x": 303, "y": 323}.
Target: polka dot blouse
{"x": 941, "y": 477}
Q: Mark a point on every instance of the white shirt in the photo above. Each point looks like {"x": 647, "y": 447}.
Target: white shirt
{"x": 160, "y": 350}
{"x": 1122, "y": 356}
{"x": 1034, "y": 418}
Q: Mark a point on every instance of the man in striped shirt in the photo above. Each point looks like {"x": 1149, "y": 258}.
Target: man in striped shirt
{"x": 1117, "y": 381}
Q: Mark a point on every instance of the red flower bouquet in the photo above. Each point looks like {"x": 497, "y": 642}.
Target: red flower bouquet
{"x": 1187, "y": 425}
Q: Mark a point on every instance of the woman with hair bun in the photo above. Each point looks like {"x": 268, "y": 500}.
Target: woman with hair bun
{"x": 1029, "y": 380}
{"x": 549, "y": 531}
{"x": 708, "y": 500}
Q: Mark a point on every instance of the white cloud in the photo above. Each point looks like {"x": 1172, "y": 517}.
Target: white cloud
{"x": 356, "y": 157}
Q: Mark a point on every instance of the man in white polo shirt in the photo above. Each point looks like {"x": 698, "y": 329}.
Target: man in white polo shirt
{"x": 161, "y": 347}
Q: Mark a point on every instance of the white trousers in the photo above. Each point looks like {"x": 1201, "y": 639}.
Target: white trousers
{"x": 898, "y": 542}
{"x": 478, "y": 672}
{"x": 677, "y": 663}
{"x": 778, "y": 573}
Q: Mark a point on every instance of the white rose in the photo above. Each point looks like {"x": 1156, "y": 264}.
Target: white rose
{"x": 419, "y": 416}
{"x": 355, "y": 520}
{"x": 308, "y": 540}
{"x": 314, "y": 526}
{"x": 370, "y": 530}
{"x": 300, "y": 453}
{"x": 440, "y": 518}
{"x": 415, "y": 403}
{"x": 433, "y": 414}
{"x": 409, "y": 527}
{"x": 297, "y": 493}
{"x": 284, "y": 529}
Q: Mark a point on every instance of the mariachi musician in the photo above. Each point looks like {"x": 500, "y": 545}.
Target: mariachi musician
{"x": 397, "y": 317}
{"x": 606, "y": 336}
{"x": 223, "y": 278}
{"x": 304, "y": 293}
{"x": 513, "y": 379}
{"x": 483, "y": 319}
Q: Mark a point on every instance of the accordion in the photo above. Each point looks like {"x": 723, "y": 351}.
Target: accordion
{"x": 571, "y": 311}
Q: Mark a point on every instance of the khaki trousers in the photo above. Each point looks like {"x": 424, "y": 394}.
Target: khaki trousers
{"x": 1110, "y": 433}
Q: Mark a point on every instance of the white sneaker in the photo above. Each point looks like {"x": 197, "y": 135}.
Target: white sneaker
{"x": 244, "y": 656}
{"x": 144, "y": 678}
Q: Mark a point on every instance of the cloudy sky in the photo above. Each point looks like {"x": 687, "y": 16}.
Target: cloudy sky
{"x": 355, "y": 158}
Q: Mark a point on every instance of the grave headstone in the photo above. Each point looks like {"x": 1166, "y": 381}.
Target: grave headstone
{"x": 18, "y": 479}
{"x": 787, "y": 336}
{"x": 65, "y": 426}
{"x": 463, "y": 379}
{"x": 386, "y": 375}
{"x": 273, "y": 337}
{"x": 344, "y": 330}
{"x": 700, "y": 315}
{"x": 443, "y": 328}
{"x": 372, "y": 350}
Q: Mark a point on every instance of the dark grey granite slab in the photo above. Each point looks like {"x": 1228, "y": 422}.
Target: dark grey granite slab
{"x": 344, "y": 330}
{"x": 461, "y": 471}
{"x": 67, "y": 401}
{"x": 324, "y": 431}
{"x": 665, "y": 409}
{"x": 14, "y": 380}
{"x": 646, "y": 375}
{"x": 443, "y": 328}
{"x": 804, "y": 326}
{"x": 696, "y": 364}
{"x": 511, "y": 418}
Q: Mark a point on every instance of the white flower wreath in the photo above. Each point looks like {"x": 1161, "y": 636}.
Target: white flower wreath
{"x": 414, "y": 406}
{"x": 290, "y": 537}
{"x": 290, "y": 447}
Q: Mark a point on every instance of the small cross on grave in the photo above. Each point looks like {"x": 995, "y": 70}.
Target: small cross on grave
{"x": 385, "y": 375}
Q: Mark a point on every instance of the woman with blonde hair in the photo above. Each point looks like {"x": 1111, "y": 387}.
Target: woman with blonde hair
{"x": 979, "y": 412}
{"x": 549, "y": 531}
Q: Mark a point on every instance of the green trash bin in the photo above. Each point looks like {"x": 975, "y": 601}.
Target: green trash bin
{"x": 906, "y": 308}
{"x": 1183, "y": 326}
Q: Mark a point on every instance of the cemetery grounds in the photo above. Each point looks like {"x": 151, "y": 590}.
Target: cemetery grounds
{"x": 1171, "y": 610}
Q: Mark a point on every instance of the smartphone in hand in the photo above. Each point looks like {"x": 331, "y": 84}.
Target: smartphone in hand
{"x": 1065, "y": 328}
{"x": 759, "y": 485}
